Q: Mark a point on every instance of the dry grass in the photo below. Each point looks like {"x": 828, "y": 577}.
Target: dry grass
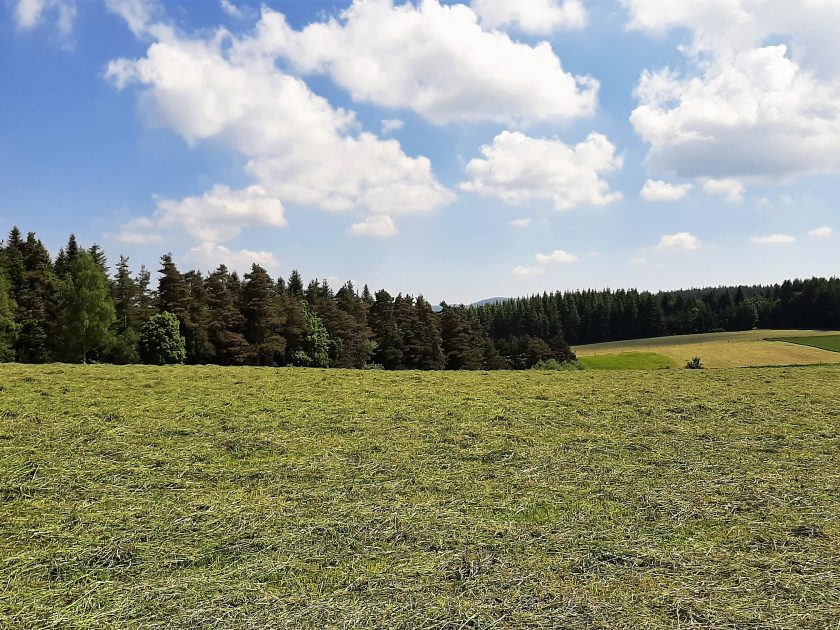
{"x": 724, "y": 350}
{"x": 259, "y": 498}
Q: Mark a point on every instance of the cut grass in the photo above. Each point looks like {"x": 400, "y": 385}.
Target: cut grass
{"x": 724, "y": 350}
{"x": 251, "y": 498}
{"x": 628, "y": 361}
{"x": 824, "y": 342}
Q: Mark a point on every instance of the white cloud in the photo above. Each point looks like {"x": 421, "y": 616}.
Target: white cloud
{"x": 231, "y": 9}
{"x": 135, "y": 237}
{"x": 536, "y": 17}
{"x": 732, "y": 189}
{"x": 638, "y": 262}
{"x": 221, "y": 214}
{"x": 389, "y": 125}
{"x": 521, "y": 223}
{"x": 379, "y": 225}
{"x": 773, "y": 239}
{"x": 28, "y": 14}
{"x": 435, "y": 60}
{"x": 821, "y": 232}
{"x": 138, "y": 15}
{"x": 517, "y": 168}
{"x": 528, "y": 271}
{"x": 746, "y": 109}
{"x": 210, "y": 255}
{"x": 680, "y": 242}
{"x": 812, "y": 25}
{"x": 657, "y": 190}
{"x": 557, "y": 256}
{"x": 299, "y": 148}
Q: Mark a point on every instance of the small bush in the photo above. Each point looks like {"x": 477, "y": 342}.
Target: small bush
{"x": 161, "y": 342}
{"x": 694, "y": 364}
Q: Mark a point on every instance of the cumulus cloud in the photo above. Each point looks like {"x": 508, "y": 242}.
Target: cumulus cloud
{"x": 528, "y": 271}
{"x": 557, "y": 256}
{"x": 379, "y": 225}
{"x": 657, "y": 190}
{"x": 680, "y": 242}
{"x": 821, "y": 232}
{"x": 746, "y": 109}
{"x": 135, "y": 237}
{"x": 138, "y": 15}
{"x": 536, "y": 17}
{"x": 517, "y": 168}
{"x": 434, "y": 59}
{"x": 299, "y": 149}
{"x": 221, "y": 213}
{"x": 521, "y": 223}
{"x": 210, "y": 255}
{"x": 732, "y": 189}
{"x": 773, "y": 239}
{"x": 390, "y": 125}
{"x": 28, "y": 14}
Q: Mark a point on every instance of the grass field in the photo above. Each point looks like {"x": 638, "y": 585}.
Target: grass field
{"x": 824, "y": 342}
{"x": 252, "y": 498}
{"x": 725, "y": 350}
{"x": 628, "y": 361}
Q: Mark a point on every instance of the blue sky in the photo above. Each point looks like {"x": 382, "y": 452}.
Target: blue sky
{"x": 624, "y": 145}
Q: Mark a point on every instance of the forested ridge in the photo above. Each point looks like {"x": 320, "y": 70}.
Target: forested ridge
{"x": 74, "y": 308}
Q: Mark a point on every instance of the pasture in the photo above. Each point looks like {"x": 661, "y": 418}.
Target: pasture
{"x": 272, "y": 498}
{"x": 753, "y": 348}
{"x": 824, "y": 342}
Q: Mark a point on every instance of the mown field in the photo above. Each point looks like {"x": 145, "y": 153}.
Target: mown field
{"x": 261, "y": 498}
{"x": 755, "y": 348}
{"x": 824, "y": 342}
{"x": 627, "y": 361}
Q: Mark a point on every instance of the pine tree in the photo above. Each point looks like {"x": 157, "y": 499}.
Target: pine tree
{"x": 295, "y": 284}
{"x": 8, "y": 329}
{"x": 264, "y": 317}
{"x": 35, "y": 296}
{"x": 225, "y": 322}
{"x": 86, "y": 311}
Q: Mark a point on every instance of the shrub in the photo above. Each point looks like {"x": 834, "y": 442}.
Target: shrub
{"x": 694, "y": 364}
{"x": 161, "y": 342}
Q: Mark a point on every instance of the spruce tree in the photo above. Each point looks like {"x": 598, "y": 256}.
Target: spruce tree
{"x": 225, "y": 322}
{"x": 8, "y": 328}
{"x": 264, "y": 317}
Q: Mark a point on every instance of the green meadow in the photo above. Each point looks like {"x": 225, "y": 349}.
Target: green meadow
{"x": 291, "y": 498}
{"x": 823, "y": 342}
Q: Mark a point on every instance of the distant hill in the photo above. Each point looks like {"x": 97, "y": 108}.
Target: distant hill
{"x": 493, "y": 300}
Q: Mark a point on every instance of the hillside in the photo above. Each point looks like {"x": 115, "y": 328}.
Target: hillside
{"x": 720, "y": 350}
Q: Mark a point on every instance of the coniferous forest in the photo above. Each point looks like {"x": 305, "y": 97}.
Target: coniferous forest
{"x": 75, "y": 308}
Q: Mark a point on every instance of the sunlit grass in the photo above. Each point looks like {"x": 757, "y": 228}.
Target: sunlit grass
{"x": 248, "y": 497}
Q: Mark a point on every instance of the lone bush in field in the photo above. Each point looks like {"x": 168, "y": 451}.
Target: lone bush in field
{"x": 161, "y": 342}
{"x": 694, "y": 364}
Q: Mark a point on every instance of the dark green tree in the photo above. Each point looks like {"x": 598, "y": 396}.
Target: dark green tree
{"x": 161, "y": 342}
{"x": 264, "y": 317}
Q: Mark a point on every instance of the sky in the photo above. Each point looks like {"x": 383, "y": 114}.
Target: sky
{"x": 461, "y": 150}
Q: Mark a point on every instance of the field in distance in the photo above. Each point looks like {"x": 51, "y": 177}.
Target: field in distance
{"x": 257, "y": 497}
{"x": 729, "y": 349}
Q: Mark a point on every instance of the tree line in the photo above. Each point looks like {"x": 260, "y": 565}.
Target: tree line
{"x": 74, "y": 309}
{"x": 583, "y": 317}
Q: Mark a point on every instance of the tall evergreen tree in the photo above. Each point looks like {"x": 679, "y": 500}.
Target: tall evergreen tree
{"x": 8, "y": 329}
{"x": 264, "y": 317}
{"x": 225, "y": 322}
